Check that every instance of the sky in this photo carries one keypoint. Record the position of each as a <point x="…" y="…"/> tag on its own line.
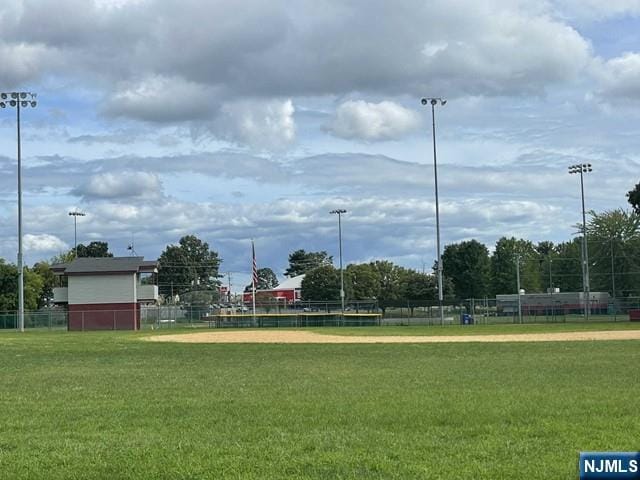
<point x="248" y="120"/>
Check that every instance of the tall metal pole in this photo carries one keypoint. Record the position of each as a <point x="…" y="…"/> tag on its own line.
<point x="553" y="313"/>
<point x="20" y="266"/>
<point x="434" y="102"/>
<point x="613" y="283"/>
<point x="339" y="212"/>
<point x="75" y="214"/>
<point x="587" y="301"/>
<point x="518" y="286"/>
<point x="19" y="99"/>
<point x="583" y="168"/>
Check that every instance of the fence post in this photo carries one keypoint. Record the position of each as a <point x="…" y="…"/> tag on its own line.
<point x="82" y="320"/>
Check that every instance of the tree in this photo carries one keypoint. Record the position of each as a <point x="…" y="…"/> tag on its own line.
<point x="546" y="254"/>
<point x="503" y="266"/>
<point x="190" y="265"/>
<point x="64" y="257"/>
<point x="321" y="284"/>
<point x="301" y="262"/>
<point x="614" y="249"/>
<point x="633" y="196"/>
<point x="266" y="280"/>
<point x="9" y="288"/>
<point x="43" y="269"/>
<point x="94" y="249"/>
<point x="468" y="265"/>
<point x="33" y="284"/>
<point x="566" y="266"/>
<point x="362" y="281"/>
<point x="418" y="288"/>
<point x="390" y="288"/>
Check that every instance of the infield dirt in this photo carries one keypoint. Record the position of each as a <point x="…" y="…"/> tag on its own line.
<point x="299" y="336"/>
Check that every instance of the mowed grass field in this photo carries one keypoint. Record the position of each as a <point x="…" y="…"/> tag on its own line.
<point x="482" y="329"/>
<point x="106" y="405"/>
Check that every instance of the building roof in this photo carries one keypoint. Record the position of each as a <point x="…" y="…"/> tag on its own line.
<point x="105" y="265"/>
<point x="292" y="283"/>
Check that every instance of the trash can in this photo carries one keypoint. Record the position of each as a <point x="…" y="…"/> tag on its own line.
<point x="466" y="319"/>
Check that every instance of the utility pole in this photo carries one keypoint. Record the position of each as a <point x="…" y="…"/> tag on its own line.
<point x="613" y="283"/>
<point x="17" y="100"/>
<point x="583" y="168"/>
<point x="75" y="214"/>
<point x="339" y="212"/>
<point x="518" y="282"/>
<point x="433" y="102"/>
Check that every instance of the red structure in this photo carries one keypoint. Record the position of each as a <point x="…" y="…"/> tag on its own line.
<point x="287" y="292"/>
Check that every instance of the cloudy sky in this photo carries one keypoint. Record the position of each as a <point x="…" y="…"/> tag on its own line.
<point x="231" y="120"/>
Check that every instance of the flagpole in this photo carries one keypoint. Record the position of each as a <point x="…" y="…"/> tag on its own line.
<point x="254" y="273"/>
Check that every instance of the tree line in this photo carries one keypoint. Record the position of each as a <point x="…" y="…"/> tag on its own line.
<point x="471" y="271"/>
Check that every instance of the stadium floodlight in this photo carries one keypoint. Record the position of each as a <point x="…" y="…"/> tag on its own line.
<point x="339" y="212"/>
<point x="583" y="168"/>
<point x="433" y="102"/>
<point x="75" y="214"/>
<point x="14" y="102"/>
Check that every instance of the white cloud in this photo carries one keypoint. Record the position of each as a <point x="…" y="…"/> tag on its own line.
<point x="161" y="99"/>
<point x="279" y="49"/>
<point x="23" y="62"/>
<point x="121" y="185"/>
<point x="373" y="121"/>
<point x="619" y="77"/>
<point x="43" y="243"/>
<point x="257" y="123"/>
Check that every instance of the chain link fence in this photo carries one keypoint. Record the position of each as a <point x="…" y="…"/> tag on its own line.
<point x="545" y="309"/>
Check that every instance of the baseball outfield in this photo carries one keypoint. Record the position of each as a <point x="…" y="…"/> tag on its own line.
<point x="114" y="405"/>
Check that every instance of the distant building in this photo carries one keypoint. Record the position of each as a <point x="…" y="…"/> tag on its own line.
<point x="105" y="293"/>
<point x="287" y="292"/>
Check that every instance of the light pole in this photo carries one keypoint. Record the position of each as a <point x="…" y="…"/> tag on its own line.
<point x="613" y="283"/>
<point x="583" y="168"/>
<point x="339" y="212"/>
<point x="75" y="214"/>
<point x="433" y="102"/>
<point x="19" y="99"/>
<point x="518" y="286"/>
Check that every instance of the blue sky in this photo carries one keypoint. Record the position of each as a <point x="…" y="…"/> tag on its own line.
<point x="234" y="121"/>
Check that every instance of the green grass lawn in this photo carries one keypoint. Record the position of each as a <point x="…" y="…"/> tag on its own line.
<point x="479" y="329"/>
<point x="109" y="406"/>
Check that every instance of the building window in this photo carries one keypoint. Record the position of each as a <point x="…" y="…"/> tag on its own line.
<point x="148" y="278"/>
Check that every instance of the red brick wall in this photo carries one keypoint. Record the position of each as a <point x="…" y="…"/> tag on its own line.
<point x="104" y="316"/>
